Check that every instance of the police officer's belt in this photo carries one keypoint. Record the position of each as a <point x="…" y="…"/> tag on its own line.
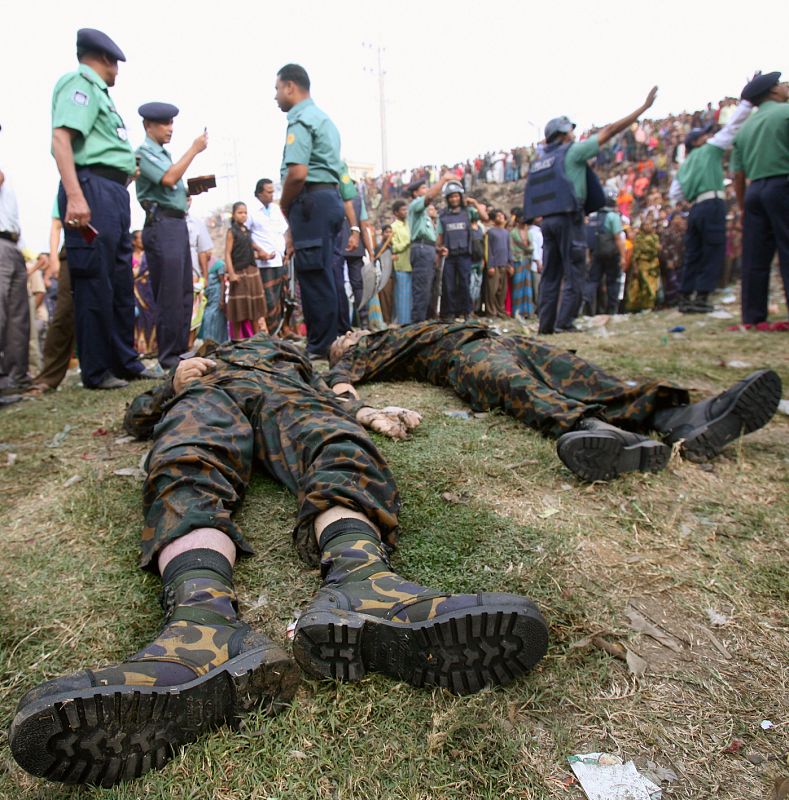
<point x="12" y="237"/>
<point x="155" y="209"/>
<point x="110" y="173"/>
<point x="423" y="241"/>
<point x="713" y="195"/>
<point x="313" y="187"/>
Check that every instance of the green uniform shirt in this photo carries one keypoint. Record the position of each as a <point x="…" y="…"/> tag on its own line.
<point x="154" y="162"/>
<point x="347" y="186"/>
<point x="419" y="222"/>
<point x="761" y="149"/>
<point x="575" y="164"/>
<point x="81" y="102"/>
<point x="613" y="223"/>
<point x="701" y="171"/>
<point x="312" y="139"/>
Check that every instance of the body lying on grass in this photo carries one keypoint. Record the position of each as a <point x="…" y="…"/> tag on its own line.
<point x="598" y="419"/>
<point x="259" y="402"/>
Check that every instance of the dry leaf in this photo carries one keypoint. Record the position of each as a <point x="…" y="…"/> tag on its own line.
<point x="637" y="665"/>
<point x="642" y="625"/>
<point x="716" y="618"/>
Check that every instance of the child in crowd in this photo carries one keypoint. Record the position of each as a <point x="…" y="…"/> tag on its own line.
<point x="214" y="325"/>
<point x="246" y="306"/>
<point x="499" y="266"/>
<point x="644" y="278"/>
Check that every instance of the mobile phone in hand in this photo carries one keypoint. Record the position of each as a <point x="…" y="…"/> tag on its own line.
<point x="89" y="233"/>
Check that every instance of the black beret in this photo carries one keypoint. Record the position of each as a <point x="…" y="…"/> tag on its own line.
<point x="158" y="112"/>
<point x="693" y="136"/>
<point x="759" y="85"/>
<point x="97" y="42"/>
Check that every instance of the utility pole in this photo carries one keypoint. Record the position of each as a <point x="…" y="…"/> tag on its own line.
<point x="381" y="73"/>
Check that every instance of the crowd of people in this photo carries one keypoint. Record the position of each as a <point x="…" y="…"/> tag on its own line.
<point x="259" y="399"/>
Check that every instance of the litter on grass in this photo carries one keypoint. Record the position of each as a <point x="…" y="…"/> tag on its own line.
<point x="604" y="777"/>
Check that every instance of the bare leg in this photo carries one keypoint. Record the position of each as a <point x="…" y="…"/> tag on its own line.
<point x="201" y="538"/>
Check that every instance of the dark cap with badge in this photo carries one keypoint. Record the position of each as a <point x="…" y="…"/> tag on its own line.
<point x="695" y="135"/>
<point x="158" y="112"/>
<point x="759" y="85"/>
<point x="89" y="40"/>
<point x="414" y="185"/>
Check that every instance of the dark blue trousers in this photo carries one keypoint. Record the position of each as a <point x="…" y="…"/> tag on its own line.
<point x="705" y="247"/>
<point x="166" y="242"/>
<point x="606" y="272"/>
<point x="456" y="280"/>
<point x="423" y="267"/>
<point x="102" y="283"/>
<point x="315" y="219"/>
<point x="563" y="271"/>
<point x="765" y="228"/>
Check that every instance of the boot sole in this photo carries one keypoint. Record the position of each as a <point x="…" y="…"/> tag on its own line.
<point x="105" y="735"/>
<point x="753" y="407"/>
<point x="462" y="651"/>
<point x="596" y="456"/>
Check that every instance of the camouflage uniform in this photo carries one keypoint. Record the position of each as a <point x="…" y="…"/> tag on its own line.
<point x="262" y="402"/>
<point x="547" y="388"/>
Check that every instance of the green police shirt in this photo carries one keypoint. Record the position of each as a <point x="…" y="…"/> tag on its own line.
<point x="419" y="222"/>
<point x="575" y="164"/>
<point x="348" y="189"/>
<point x="82" y="103"/>
<point x="761" y="149"/>
<point x="613" y="223"/>
<point x="312" y="139"/>
<point x="701" y="171"/>
<point x="154" y="162"/>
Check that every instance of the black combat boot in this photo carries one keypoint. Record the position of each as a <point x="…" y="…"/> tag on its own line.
<point x="598" y="451"/>
<point x="705" y="428"/>
<point x="366" y="618"/>
<point x="205" y="668"/>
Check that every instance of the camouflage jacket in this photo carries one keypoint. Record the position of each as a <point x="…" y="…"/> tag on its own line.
<point x="420" y="350"/>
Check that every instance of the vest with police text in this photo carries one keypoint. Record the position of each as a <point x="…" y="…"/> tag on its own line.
<point x="457" y="231"/>
<point x="548" y="189"/>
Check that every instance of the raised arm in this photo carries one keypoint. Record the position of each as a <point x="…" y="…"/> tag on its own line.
<point x="611" y="130"/>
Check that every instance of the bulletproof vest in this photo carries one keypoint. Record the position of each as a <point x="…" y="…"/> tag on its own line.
<point x="346" y="231"/>
<point x="457" y="230"/>
<point x="548" y="189"/>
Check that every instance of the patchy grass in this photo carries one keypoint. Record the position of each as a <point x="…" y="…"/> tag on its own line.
<point x="680" y="547"/>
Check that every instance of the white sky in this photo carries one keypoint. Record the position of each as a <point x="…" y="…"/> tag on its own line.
<point x="462" y="77"/>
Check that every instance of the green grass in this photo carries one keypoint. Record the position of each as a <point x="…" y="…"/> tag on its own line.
<point x="675" y="544"/>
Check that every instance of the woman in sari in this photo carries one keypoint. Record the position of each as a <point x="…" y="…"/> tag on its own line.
<point x="144" y="304"/>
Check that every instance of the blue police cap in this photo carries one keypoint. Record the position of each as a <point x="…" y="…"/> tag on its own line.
<point x="759" y="85"/>
<point x="97" y="42"/>
<point x="412" y="187"/>
<point x="158" y="112"/>
<point x="694" y="135"/>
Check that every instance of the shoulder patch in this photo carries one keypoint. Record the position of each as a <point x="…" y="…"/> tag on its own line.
<point x="346" y="178"/>
<point x="291" y="138"/>
<point x="80" y="98"/>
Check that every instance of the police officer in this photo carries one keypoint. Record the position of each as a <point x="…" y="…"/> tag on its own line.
<point x="761" y="154"/>
<point x="161" y="192"/>
<point x="349" y="250"/>
<point x="423" y="244"/>
<point x="700" y="182"/>
<point x="454" y="244"/>
<point x="556" y="189"/>
<point x="96" y="162"/>
<point x="311" y="170"/>
<point x="606" y="239"/>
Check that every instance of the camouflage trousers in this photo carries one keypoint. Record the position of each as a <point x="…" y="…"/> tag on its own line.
<point x="547" y="388"/>
<point x="208" y="441"/>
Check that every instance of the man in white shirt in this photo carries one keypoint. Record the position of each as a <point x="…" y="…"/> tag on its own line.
<point x="14" y="308"/>
<point x="268" y="226"/>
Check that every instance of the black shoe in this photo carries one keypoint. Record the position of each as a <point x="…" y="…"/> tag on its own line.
<point x="600" y="452"/>
<point x="685" y="303"/>
<point x="569" y="329"/>
<point x="79" y="729"/>
<point x="110" y="382"/>
<point x="705" y="428"/>
<point x="9" y="399"/>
